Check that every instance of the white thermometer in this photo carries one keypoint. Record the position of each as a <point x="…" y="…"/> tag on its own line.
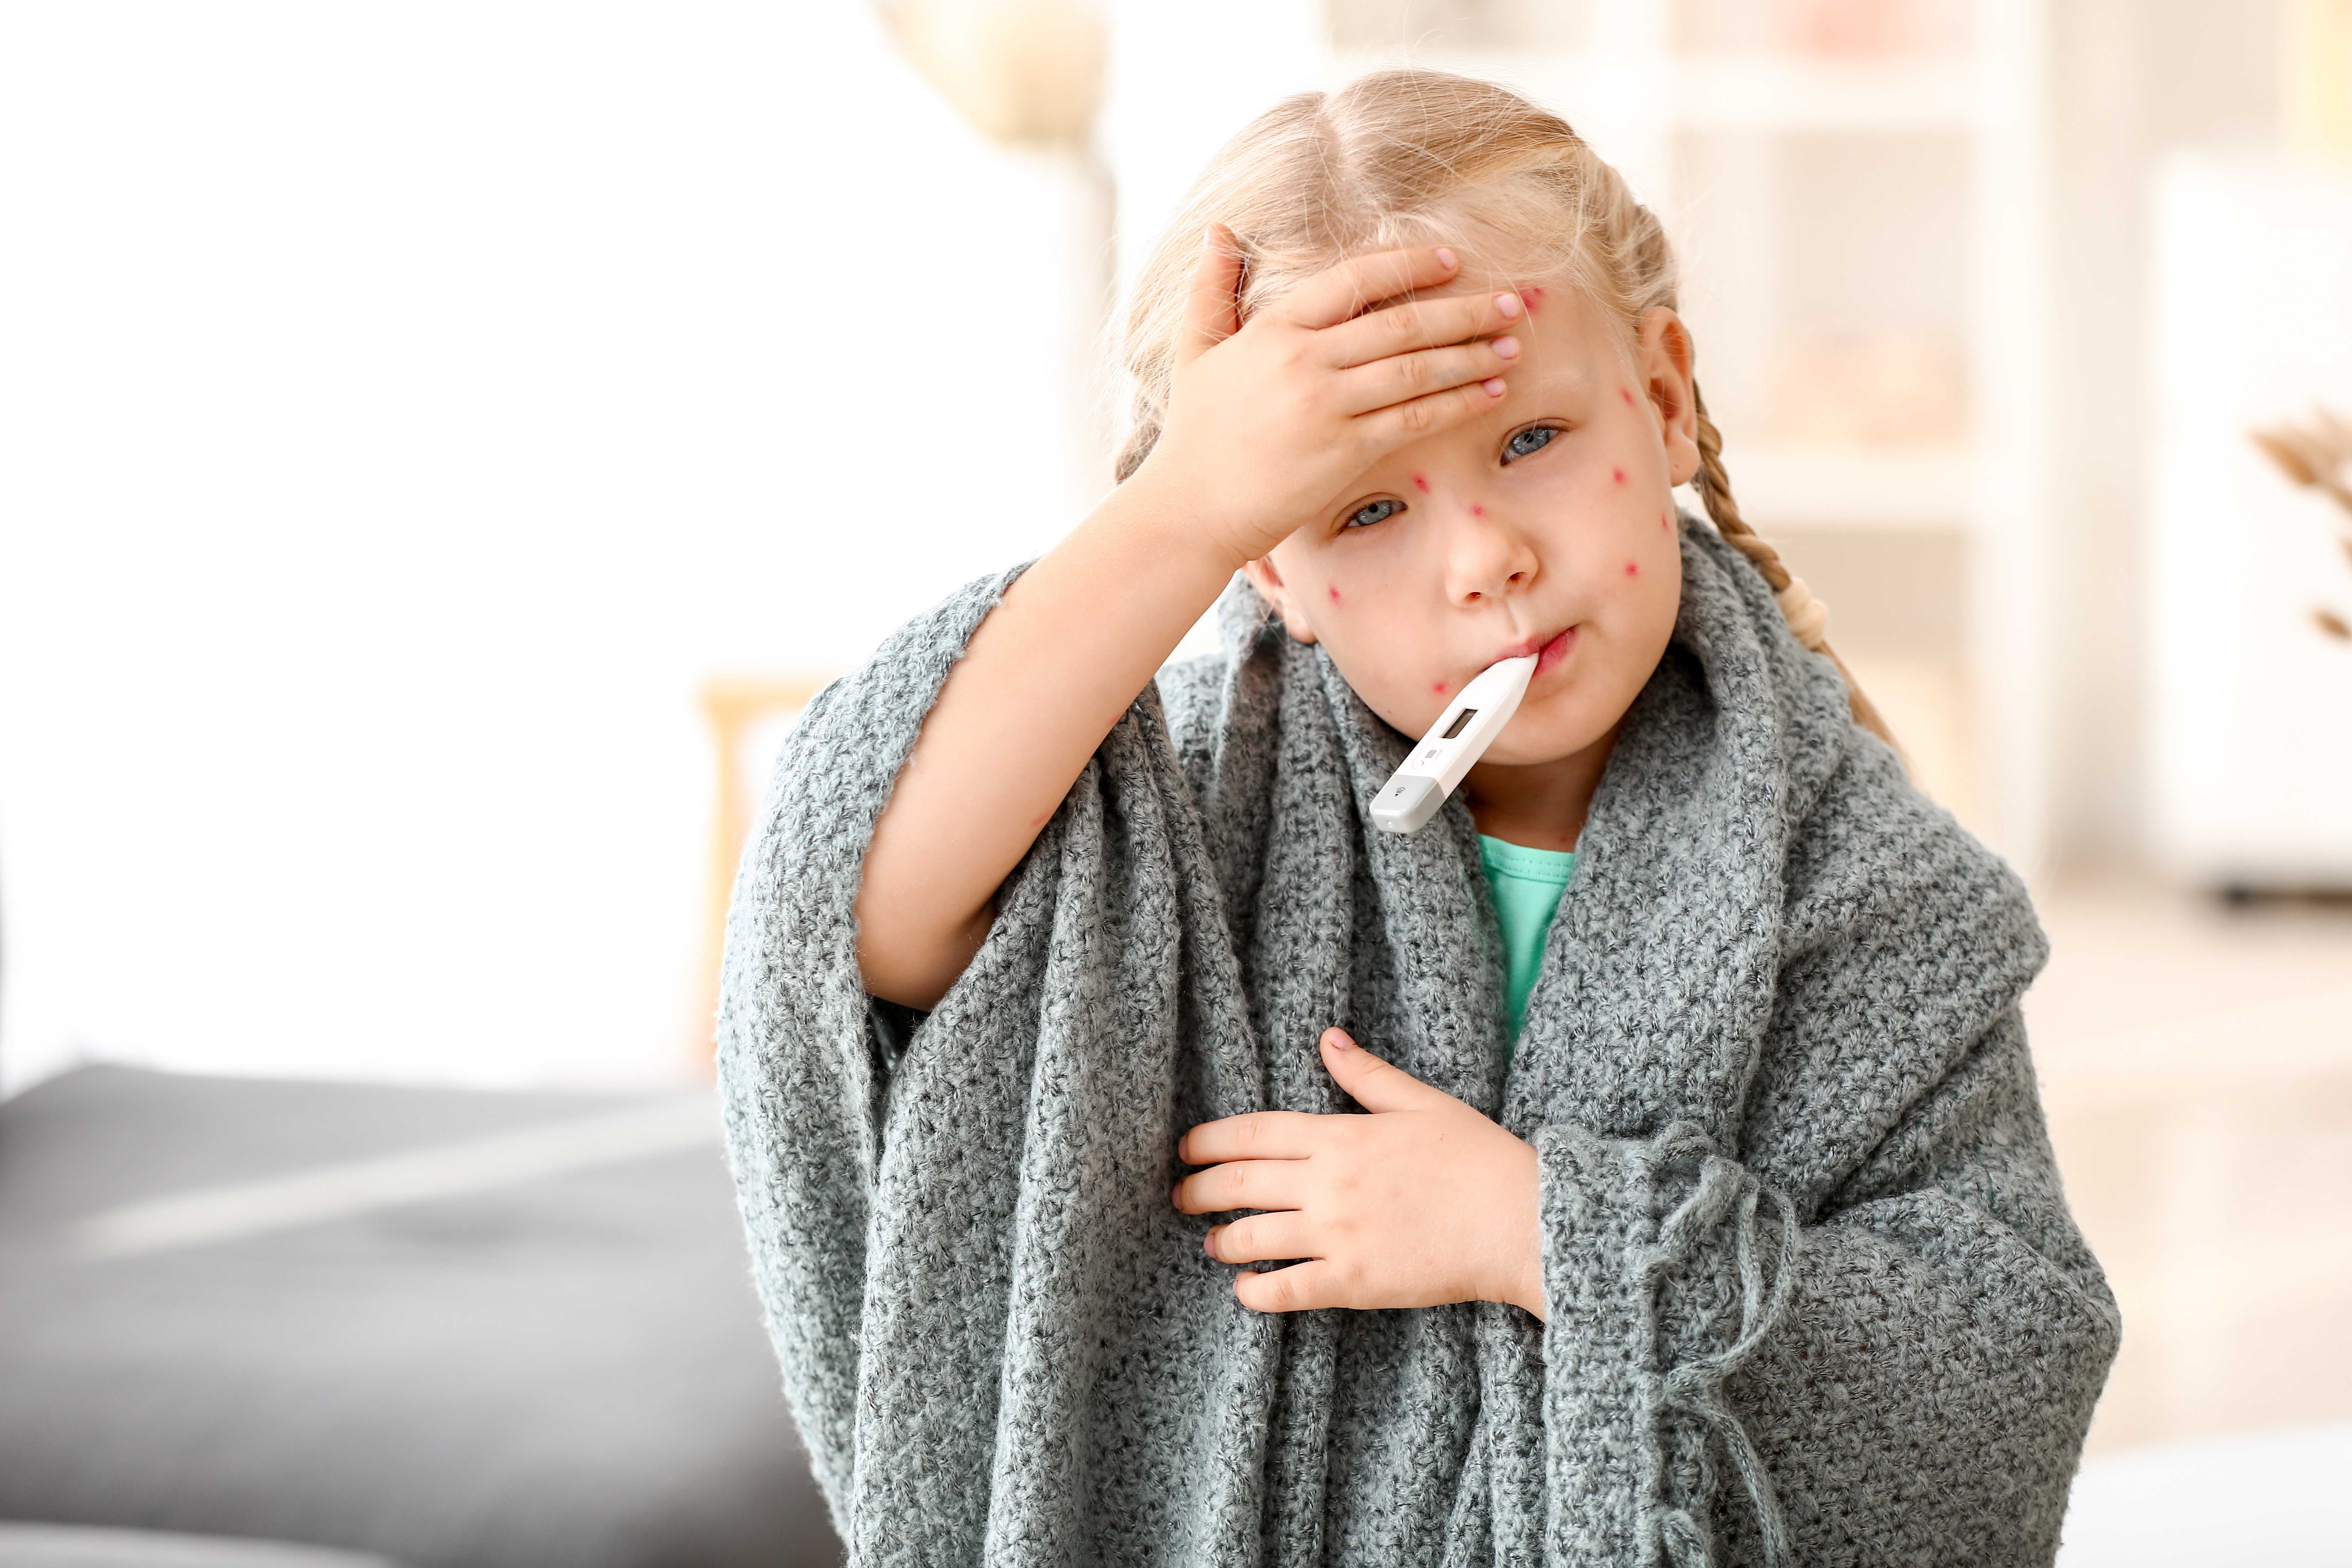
<point x="1459" y="738"/>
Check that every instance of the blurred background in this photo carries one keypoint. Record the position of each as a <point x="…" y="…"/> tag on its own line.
<point x="441" y="444"/>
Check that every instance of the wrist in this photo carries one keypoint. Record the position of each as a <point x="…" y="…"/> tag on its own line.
<point x="1167" y="499"/>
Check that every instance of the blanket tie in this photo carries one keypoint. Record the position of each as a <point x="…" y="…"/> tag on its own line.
<point x="1696" y="1388"/>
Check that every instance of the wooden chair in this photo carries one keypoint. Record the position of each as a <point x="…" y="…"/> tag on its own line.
<point x="736" y="706"/>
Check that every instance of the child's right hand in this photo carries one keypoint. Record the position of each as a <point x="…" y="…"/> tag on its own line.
<point x="1266" y="426"/>
<point x="1266" y="423"/>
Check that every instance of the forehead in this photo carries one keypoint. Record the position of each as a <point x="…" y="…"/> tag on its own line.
<point x="1565" y="331"/>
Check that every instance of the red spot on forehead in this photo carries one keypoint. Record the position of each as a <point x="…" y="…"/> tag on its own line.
<point x="1627" y="393"/>
<point x="1421" y="483"/>
<point x="1335" y="595"/>
<point x="1533" y="297"/>
<point x="1617" y="474"/>
<point x="1631" y="570"/>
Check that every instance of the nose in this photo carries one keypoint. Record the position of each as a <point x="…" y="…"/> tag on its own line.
<point x="1486" y="556"/>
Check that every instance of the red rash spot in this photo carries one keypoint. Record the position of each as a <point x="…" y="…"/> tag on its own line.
<point x="1666" y="522"/>
<point x="1421" y="483"/>
<point x="1335" y="595"/>
<point x="1439" y="689"/>
<point x="1477" y="511"/>
<point x="1631" y="570"/>
<point x="1627" y="393"/>
<point x="1533" y="297"/>
<point x="1617" y="474"/>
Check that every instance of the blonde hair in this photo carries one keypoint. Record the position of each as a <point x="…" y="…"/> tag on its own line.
<point x="1415" y="157"/>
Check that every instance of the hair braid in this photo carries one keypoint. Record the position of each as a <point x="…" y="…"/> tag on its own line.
<point x="1807" y="616"/>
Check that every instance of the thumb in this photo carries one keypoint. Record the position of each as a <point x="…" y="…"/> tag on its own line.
<point x="1212" y="313"/>
<point x="1376" y="1085"/>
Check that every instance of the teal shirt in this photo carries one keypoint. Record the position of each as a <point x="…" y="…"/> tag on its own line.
<point x="1527" y="884"/>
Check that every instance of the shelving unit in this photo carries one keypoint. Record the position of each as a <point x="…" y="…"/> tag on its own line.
<point x="1656" y="110"/>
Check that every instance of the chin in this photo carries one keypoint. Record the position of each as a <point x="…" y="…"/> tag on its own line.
<point x="1533" y="751"/>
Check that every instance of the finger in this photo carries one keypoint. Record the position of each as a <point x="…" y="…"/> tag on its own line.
<point x="1417" y="325"/>
<point x="1385" y="429"/>
<point x="1295" y="1289"/>
<point x="1375" y="1084"/>
<point x="1242" y="1185"/>
<point x="1259" y="1135"/>
<point x="1361" y="282"/>
<point x="1212" y="313"/>
<point x="1404" y="376"/>
<point x="1261" y="1236"/>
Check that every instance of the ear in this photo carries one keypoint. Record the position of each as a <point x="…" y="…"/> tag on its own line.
<point x="1663" y="358"/>
<point x="1267" y="578"/>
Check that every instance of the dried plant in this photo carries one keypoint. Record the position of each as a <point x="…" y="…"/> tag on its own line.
<point x="2316" y="456"/>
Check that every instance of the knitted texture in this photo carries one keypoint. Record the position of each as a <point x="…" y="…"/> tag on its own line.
<point x="1813" y="1293"/>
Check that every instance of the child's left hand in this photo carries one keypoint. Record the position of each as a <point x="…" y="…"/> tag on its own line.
<point x="1422" y="1202"/>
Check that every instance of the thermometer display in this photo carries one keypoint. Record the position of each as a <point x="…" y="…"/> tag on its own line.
<point x="1459" y="738"/>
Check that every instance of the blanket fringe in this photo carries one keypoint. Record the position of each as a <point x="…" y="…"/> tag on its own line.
<point x="1696" y="1388"/>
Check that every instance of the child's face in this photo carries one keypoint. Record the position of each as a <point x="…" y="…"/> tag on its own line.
<point x="1544" y="524"/>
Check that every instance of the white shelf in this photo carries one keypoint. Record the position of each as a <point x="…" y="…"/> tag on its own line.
<point x="1723" y="92"/>
<point x="1839" y="486"/>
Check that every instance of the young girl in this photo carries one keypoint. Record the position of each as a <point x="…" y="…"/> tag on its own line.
<point x="1148" y="1160"/>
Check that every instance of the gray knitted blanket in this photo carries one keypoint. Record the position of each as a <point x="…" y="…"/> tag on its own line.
<point x="1814" y="1295"/>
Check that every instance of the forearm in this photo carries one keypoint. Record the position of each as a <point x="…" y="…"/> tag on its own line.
<point x="1073" y="641"/>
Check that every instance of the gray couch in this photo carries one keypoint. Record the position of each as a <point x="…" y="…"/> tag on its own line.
<point x="449" y="1329"/>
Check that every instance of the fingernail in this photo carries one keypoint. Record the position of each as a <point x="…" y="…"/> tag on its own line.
<point x="1508" y="304"/>
<point x="1494" y="386"/>
<point x="1445" y="259"/>
<point x="1209" y="1241"/>
<point x="1338" y="1040"/>
<point x="1176" y="1195"/>
<point x="1507" y="348"/>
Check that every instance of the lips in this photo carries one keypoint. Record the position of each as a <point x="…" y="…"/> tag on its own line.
<point x="1549" y="651"/>
<point x="1555" y="650"/>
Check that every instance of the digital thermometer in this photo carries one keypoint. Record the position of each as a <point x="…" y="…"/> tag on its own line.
<point x="1459" y="738"/>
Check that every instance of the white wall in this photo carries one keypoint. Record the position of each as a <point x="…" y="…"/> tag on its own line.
<point x="401" y="409"/>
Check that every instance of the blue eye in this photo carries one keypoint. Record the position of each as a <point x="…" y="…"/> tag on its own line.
<point x="1371" y="512"/>
<point x="1533" y="439"/>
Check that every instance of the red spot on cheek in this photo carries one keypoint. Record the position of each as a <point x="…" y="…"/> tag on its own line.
<point x="1335" y="595"/>
<point x="1439" y="687"/>
<point x="1477" y="511"/>
<point x="1617" y="474"/>
<point x="1421" y="483"/>
<point x="1533" y="297"/>
<point x="1665" y="523"/>
<point x="1631" y="570"/>
<point x="1627" y="393"/>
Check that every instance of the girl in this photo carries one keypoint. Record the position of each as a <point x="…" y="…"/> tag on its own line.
<point x="1641" y="1163"/>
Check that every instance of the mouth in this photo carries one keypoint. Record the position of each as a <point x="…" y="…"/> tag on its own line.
<point x="1549" y="652"/>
